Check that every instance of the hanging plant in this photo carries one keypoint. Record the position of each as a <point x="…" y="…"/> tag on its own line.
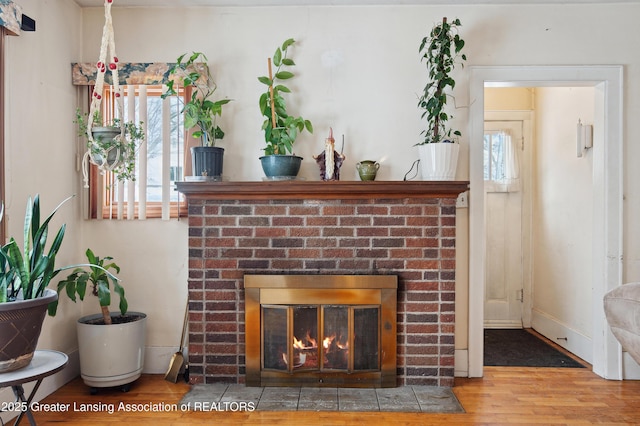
<point x="441" y="50"/>
<point x="112" y="146"/>
<point x="115" y="153"/>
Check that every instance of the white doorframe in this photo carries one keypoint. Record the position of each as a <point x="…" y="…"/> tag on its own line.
<point x="607" y="191"/>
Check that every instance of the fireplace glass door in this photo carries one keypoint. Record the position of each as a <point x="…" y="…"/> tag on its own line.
<point x="321" y="330"/>
<point x="324" y="338"/>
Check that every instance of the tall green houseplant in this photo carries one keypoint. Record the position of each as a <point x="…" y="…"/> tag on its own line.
<point x="280" y="128"/>
<point x="441" y="50"/>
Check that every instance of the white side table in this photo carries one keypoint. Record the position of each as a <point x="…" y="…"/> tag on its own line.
<point x="43" y="364"/>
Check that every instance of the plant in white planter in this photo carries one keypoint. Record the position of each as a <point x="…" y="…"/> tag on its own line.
<point x="111" y="345"/>
<point x="200" y="112"/>
<point x="280" y="128"/>
<point x="441" y="50"/>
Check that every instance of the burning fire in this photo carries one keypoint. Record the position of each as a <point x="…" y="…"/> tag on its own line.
<point x="300" y="344"/>
<point x="326" y="343"/>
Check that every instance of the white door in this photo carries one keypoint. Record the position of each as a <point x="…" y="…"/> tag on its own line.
<point x="503" y="304"/>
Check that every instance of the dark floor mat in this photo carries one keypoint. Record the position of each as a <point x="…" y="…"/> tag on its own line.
<point x="519" y="348"/>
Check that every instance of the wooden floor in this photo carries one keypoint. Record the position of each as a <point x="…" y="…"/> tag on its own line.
<point x="505" y="396"/>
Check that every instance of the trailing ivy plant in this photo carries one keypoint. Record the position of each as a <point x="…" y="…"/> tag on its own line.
<point x="280" y="129"/>
<point x="100" y="147"/>
<point x="441" y="50"/>
<point x="200" y="111"/>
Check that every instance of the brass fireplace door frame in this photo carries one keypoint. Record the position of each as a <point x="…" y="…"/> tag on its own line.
<point x="350" y="290"/>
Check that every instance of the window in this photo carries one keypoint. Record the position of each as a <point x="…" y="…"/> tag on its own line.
<point x="501" y="162"/>
<point x="160" y="159"/>
<point x="494" y="155"/>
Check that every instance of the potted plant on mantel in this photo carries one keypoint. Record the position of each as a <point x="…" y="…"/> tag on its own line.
<point x="201" y="112"/>
<point x="111" y="345"/>
<point x="112" y="146"/>
<point x="441" y="49"/>
<point x="280" y="129"/>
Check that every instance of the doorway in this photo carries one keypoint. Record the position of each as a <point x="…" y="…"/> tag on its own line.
<point x="607" y="196"/>
<point x="538" y="198"/>
<point x="504" y="177"/>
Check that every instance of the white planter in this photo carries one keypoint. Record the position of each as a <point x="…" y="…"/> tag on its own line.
<point x="111" y="355"/>
<point x="438" y="161"/>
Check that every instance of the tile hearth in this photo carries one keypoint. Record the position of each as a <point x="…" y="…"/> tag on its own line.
<point x="420" y="399"/>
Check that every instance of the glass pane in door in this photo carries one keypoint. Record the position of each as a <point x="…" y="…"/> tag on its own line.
<point x="305" y="337"/>
<point x="365" y="339"/>
<point x="335" y="343"/>
<point x="274" y="338"/>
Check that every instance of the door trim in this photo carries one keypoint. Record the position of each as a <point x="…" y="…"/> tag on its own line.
<point x="607" y="185"/>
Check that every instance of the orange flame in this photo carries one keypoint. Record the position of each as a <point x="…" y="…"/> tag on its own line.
<point x="327" y="342"/>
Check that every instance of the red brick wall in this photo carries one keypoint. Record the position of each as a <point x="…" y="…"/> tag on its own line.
<point x="414" y="239"/>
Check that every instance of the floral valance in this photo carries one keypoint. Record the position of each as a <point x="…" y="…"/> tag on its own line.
<point x="84" y="74"/>
<point x="10" y="16"/>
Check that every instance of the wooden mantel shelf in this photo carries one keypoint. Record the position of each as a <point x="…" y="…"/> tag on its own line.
<point x="315" y="190"/>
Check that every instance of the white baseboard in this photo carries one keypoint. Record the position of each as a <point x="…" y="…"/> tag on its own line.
<point x="630" y="368"/>
<point x="157" y="359"/>
<point x="461" y="363"/>
<point x="563" y="335"/>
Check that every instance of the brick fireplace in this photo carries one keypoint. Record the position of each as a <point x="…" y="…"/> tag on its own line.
<point x="298" y="227"/>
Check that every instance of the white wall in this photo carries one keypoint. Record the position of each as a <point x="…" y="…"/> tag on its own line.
<point x="359" y="72"/>
<point x="40" y="138"/>
<point x="39" y="154"/>
<point x="562" y="219"/>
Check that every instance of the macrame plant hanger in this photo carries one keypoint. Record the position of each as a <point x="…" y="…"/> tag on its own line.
<point x="97" y="154"/>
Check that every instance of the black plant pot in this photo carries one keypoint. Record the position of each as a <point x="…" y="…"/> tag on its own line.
<point x="206" y="161"/>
